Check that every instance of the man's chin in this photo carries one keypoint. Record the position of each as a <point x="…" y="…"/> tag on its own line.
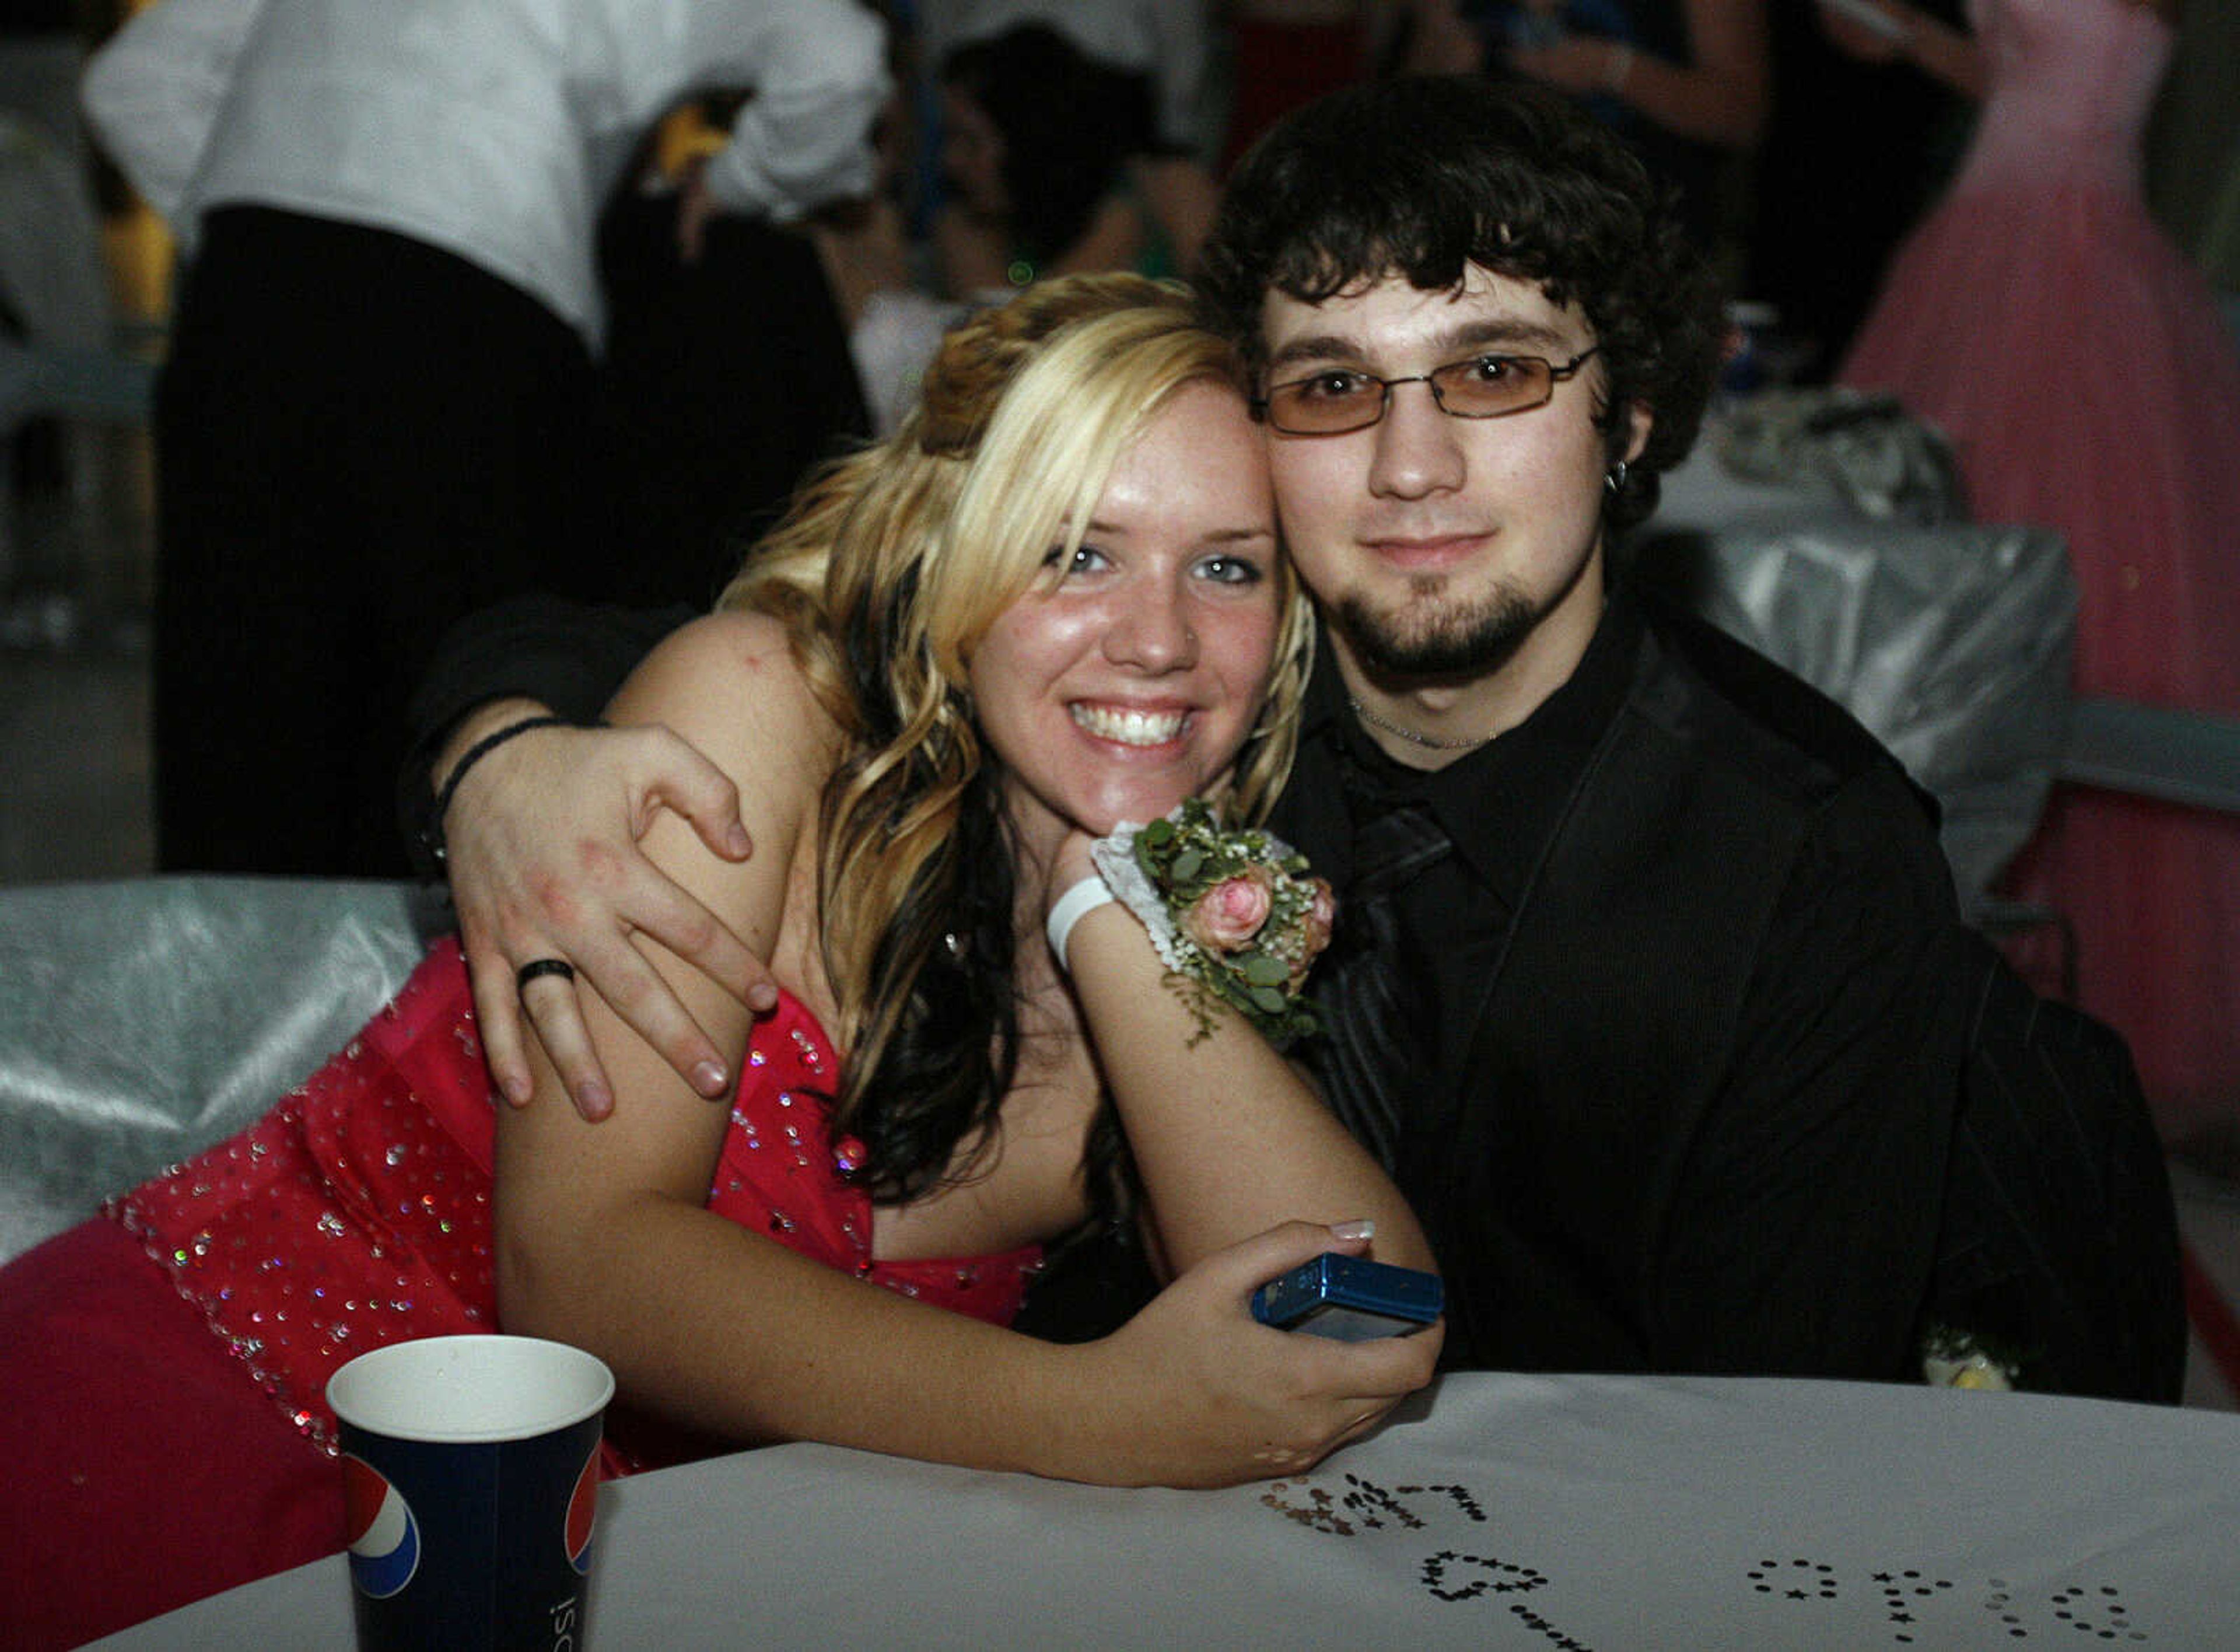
<point x="1437" y="643"/>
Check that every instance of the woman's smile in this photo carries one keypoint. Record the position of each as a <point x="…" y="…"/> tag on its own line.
<point x="1128" y="726"/>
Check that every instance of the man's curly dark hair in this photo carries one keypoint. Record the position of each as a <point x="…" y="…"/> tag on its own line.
<point x="1420" y="176"/>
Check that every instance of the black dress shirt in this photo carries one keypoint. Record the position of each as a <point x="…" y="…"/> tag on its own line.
<point x="1772" y="1208"/>
<point x="1499" y="805"/>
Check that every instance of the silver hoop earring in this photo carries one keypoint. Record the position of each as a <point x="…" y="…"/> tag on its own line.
<point x="1614" y="479"/>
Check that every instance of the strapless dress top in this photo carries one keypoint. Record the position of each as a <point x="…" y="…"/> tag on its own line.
<point x="357" y="1212"/>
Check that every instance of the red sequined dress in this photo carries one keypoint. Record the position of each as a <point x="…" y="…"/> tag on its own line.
<point x="357" y="1212"/>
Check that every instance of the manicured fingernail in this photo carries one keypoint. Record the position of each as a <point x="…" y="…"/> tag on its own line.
<point x="1362" y="1229"/>
<point x="593" y="1101"/>
<point x="708" y="1078"/>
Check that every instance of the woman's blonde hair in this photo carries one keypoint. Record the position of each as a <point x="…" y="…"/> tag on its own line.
<point x="891" y="568"/>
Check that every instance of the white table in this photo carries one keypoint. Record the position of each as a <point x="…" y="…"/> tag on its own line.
<point x="1520" y="1512"/>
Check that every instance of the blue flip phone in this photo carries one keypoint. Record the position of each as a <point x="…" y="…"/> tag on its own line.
<point x="1349" y="1299"/>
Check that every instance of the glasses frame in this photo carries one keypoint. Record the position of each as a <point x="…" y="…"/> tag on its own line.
<point x="1264" y="410"/>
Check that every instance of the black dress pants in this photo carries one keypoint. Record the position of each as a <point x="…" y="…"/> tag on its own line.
<point x="360" y="439"/>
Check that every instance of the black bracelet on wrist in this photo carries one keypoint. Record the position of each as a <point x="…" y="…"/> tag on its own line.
<point x="431" y="833"/>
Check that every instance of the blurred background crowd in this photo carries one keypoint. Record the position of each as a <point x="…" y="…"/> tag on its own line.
<point x="1020" y="136"/>
<point x="322" y="325"/>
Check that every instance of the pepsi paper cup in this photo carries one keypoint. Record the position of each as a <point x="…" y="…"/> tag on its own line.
<point x="471" y="1473"/>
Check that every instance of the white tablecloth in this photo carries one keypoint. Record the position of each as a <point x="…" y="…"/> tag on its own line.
<point x="1522" y="1512"/>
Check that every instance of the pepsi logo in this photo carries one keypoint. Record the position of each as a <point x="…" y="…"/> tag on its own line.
<point x="383" y="1537"/>
<point x="582" y="1510"/>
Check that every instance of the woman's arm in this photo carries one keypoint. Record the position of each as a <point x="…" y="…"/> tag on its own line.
<point x="604" y="1241"/>
<point x="1229" y="1138"/>
<point x="1930" y="43"/>
<point x="1112" y="239"/>
<point x="969" y="260"/>
<point x="1720" y="98"/>
<point x="1182" y="197"/>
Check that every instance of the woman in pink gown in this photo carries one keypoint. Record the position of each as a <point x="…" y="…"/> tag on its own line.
<point x="2081" y="368"/>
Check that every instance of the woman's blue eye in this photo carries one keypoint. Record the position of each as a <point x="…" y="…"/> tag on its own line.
<point x="1231" y="570"/>
<point x="1081" y="559"/>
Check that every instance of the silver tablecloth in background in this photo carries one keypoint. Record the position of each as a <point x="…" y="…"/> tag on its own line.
<point x="1952" y="642"/>
<point x="1522" y="1512"/>
<point x="142" y="1020"/>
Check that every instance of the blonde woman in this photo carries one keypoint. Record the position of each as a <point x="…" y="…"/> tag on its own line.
<point x="1053" y="602"/>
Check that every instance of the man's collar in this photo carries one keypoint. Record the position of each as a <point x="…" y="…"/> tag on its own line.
<point x="1498" y="802"/>
<point x="1586" y="698"/>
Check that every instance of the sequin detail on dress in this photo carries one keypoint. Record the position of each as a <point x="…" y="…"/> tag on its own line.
<point x="357" y="1212"/>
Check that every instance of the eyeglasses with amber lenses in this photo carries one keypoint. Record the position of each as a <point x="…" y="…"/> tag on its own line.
<point x="1337" y="400"/>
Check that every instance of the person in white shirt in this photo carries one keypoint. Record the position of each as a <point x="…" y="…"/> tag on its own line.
<point x="377" y="413"/>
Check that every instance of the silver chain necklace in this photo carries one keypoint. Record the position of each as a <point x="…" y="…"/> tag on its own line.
<point x="1410" y="735"/>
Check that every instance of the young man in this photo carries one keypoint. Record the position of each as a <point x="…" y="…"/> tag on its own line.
<point x="1672" y="1092"/>
<point x="1646" y="985"/>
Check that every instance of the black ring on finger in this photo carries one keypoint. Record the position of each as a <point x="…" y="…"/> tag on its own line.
<point x="537" y="968"/>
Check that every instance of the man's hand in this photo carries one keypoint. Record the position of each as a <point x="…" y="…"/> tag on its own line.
<point x="542" y="845"/>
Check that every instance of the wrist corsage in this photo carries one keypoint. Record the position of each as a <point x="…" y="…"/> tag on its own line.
<point x="1235" y="915"/>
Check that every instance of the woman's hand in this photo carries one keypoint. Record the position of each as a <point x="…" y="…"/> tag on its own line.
<point x="1193" y="1391"/>
<point x="543" y="847"/>
<point x="1887" y="31"/>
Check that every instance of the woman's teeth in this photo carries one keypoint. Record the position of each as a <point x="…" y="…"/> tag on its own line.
<point x="1128" y="727"/>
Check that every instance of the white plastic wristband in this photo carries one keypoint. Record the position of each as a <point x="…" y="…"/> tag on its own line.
<point x="1075" y="905"/>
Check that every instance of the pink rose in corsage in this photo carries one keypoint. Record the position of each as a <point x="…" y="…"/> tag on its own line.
<point x="1228" y="916"/>
<point x="1233" y="912"/>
